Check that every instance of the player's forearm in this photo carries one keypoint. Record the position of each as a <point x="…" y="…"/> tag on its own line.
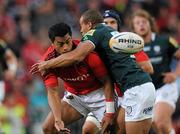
<point x="146" y="66"/>
<point x="109" y="95"/>
<point x="66" y="59"/>
<point x="177" y="71"/>
<point x="55" y="104"/>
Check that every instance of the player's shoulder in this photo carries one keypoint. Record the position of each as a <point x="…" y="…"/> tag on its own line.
<point x="76" y="42"/>
<point x="3" y="44"/>
<point x="92" y="58"/>
<point x="49" y="54"/>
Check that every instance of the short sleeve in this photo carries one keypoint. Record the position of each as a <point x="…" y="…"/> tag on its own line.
<point x="141" y="56"/>
<point x="90" y="36"/>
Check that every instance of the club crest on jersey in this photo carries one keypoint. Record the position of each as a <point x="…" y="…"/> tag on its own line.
<point x="157" y="49"/>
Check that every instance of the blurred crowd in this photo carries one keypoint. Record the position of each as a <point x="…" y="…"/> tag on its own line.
<point x="24" y="25"/>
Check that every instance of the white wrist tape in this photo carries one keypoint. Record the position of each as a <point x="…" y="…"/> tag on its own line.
<point x="12" y="67"/>
<point x="110" y="107"/>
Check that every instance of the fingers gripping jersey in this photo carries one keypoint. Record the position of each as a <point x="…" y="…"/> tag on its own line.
<point x="80" y="78"/>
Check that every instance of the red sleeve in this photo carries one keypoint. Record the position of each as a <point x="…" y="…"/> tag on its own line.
<point x="50" y="80"/>
<point x="141" y="56"/>
<point x="96" y="64"/>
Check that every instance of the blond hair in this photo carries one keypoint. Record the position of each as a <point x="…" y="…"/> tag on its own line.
<point x="146" y="15"/>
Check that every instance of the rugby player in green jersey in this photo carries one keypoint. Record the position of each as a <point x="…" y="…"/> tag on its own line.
<point x="160" y="49"/>
<point x="112" y="19"/>
<point x="139" y="92"/>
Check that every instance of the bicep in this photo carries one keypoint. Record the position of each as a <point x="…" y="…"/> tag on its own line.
<point x="83" y="49"/>
<point x="146" y="66"/>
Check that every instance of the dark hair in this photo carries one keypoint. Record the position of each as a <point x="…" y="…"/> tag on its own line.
<point x="92" y="16"/>
<point x="113" y="14"/>
<point x="146" y="15"/>
<point x="59" y="29"/>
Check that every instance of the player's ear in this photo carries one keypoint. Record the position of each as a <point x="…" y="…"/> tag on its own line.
<point x="90" y="25"/>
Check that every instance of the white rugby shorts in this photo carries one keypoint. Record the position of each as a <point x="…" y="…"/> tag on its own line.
<point x="138" y="102"/>
<point x="92" y="102"/>
<point x="168" y="93"/>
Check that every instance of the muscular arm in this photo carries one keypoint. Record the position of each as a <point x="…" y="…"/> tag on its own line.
<point x="146" y="66"/>
<point x="69" y="58"/>
<point x="108" y="88"/>
<point x="172" y="76"/>
<point x="54" y="102"/>
<point x="143" y="61"/>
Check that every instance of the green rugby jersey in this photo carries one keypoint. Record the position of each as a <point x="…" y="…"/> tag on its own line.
<point x="160" y="51"/>
<point x="122" y="68"/>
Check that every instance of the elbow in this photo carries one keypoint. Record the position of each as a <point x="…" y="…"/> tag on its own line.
<point x="149" y="70"/>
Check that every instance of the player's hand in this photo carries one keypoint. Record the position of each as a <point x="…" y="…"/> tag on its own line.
<point x="107" y="122"/>
<point x="169" y="77"/>
<point x="59" y="125"/>
<point x="39" y="67"/>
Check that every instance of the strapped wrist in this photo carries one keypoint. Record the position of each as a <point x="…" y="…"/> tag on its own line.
<point x="110" y="109"/>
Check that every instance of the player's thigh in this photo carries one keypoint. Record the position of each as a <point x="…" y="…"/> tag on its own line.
<point x="89" y="128"/>
<point x="160" y="115"/>
<point x="120" y="121"/>
<point x="138" y="127"/>
<point x="68" y="113"/>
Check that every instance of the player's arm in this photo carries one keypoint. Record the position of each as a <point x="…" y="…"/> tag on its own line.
<point x="177" y="55"/>
<point x="77" y="55"/>
<point x="143" y="61"/>
<point x="99" y="70"/>
<point x="54" y="102"/>
<point x="11" y="62"/>
<point x="173" y="48"/>
<point x="51" y="83"/>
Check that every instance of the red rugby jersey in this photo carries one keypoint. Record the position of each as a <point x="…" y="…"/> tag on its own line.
<point x="80" y="78"/>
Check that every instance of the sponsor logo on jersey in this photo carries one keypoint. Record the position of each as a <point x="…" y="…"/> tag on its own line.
<point x="114" y="33"/>
<point x="78" y="78"/>
<point x="157" y="49"/>
<point x="128" y="110"/>
<point x="148" y="110"/>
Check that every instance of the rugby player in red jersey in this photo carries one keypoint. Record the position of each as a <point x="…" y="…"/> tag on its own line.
<point x="87" y="83"/>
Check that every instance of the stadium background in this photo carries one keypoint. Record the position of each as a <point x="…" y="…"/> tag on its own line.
<point x="24" y="25"/>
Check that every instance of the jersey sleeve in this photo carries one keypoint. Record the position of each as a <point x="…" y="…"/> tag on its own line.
<point x="141" y="56"/>
<point x="90" y="36"/>
<point x="173" y="45"/>
<point x="50" y="80"/>
<point x="95" y="63"/>
<point x="3" y="47"/>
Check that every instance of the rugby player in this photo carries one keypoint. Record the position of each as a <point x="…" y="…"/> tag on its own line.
<point x="87" y="83"/>
<point x="160" y="49"/>
<point x="139" y="91"/>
